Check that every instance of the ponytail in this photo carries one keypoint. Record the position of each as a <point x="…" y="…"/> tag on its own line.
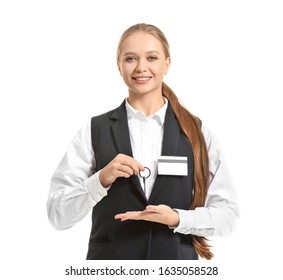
<point x="191" y="127"/>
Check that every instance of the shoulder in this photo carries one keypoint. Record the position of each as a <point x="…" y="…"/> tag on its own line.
<point x="215" y="152"/>
<point x="207" y="134"/>
<point x="210" y="138"/>
<point x="102" y="117"/>
<point x="110" y="115"/>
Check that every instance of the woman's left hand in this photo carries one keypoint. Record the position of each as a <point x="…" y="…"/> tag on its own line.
<point x="162" y="214"/>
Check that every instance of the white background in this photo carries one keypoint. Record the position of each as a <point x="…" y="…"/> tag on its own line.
<point x="58" y="68"/>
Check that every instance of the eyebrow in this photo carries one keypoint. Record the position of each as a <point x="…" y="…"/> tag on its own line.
<point x="149" y="52"/>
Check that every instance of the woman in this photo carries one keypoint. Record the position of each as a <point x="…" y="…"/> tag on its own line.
<point x="113" y="166"/>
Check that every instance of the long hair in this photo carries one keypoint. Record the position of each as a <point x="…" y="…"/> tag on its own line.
<point x="190" y="126"/>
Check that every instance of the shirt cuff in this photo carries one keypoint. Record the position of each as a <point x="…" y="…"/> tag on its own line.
<point x="94" y="187"/>
<point x="195" y="222"/>
<point x="186" y="222"/>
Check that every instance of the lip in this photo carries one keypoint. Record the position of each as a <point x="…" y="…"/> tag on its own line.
<point x="142" y="79"/>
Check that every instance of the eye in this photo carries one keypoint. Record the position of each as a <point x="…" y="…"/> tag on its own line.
<point x="152" y="58"/>
<point x="130" y="59"/>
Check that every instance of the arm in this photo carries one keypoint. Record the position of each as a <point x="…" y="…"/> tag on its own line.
<point x="74" y="189"/>
<point x="220" y="214"/>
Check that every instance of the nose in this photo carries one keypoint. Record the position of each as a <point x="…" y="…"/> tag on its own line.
<point x="141" y="66"/>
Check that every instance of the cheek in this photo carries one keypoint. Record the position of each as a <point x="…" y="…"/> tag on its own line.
<point x="127" y="70"/>
<point x="159" y="70"/>
<point x="126" y="74"/>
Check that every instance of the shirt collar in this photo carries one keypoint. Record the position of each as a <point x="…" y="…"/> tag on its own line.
<point x="159" y="115"/>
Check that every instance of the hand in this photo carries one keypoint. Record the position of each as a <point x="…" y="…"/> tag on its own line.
<point x="162" y="214"/>
<point x="121" y="166"/>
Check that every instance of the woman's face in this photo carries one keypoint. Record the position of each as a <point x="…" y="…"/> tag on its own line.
<point x="142" y="63"/>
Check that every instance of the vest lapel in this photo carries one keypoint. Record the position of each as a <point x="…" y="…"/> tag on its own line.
<point x="120" y="131"/>
<point x="169" y="147"/>
<point x="121" y="137"/>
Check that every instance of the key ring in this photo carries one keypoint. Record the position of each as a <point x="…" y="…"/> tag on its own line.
<point x="145" y="177"/>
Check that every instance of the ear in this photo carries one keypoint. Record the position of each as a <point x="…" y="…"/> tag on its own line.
<point x="167" y="64"/>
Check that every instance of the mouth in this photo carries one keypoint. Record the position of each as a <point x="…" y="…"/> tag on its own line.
<point x="142" y="78"/>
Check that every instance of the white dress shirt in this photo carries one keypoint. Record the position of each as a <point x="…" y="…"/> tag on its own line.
<point x="76" y="189"/>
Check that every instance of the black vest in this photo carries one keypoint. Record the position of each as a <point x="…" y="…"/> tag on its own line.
<point x="113" y="239"/>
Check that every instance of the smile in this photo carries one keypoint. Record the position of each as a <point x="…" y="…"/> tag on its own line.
<point x="142" y="78"/>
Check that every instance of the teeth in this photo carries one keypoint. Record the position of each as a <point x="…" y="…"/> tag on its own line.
<point x="142" y="79"/>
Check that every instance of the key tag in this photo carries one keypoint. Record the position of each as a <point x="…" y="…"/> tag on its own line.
<point x="144" y="175"/>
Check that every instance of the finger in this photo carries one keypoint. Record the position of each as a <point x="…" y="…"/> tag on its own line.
<point x="140" y="215"/>
<point x="131" y="162"/>
<point x="121" y="168"/>
<point x="139" y="166"/>
<point x="120" y="216"/>
<point x="122" y="174"/>
<point x="154" y="208"/>
<point x="132" y="215"/>
<point x="135" y="166"/>
<point x="123" y="217"/>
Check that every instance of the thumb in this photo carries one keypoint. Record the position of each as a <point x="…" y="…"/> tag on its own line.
<point x="152" y="208"/>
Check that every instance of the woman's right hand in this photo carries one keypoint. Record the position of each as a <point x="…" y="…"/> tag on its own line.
<point x="121" y="166"/>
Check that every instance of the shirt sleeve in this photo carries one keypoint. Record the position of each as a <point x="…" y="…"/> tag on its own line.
<point x="220" y="214"/>
<point x="75" y="187"/>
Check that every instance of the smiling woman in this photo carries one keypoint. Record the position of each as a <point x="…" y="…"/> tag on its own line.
<point x="176" y="211"/>
<point x="143" y="64"/>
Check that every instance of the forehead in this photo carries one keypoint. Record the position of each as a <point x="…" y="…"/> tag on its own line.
<point x="141" y="42"/>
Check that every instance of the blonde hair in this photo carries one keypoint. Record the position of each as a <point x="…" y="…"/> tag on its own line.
<point x="191" y="127"/>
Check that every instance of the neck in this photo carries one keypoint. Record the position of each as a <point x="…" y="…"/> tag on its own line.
<point x="146" y="103"/>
